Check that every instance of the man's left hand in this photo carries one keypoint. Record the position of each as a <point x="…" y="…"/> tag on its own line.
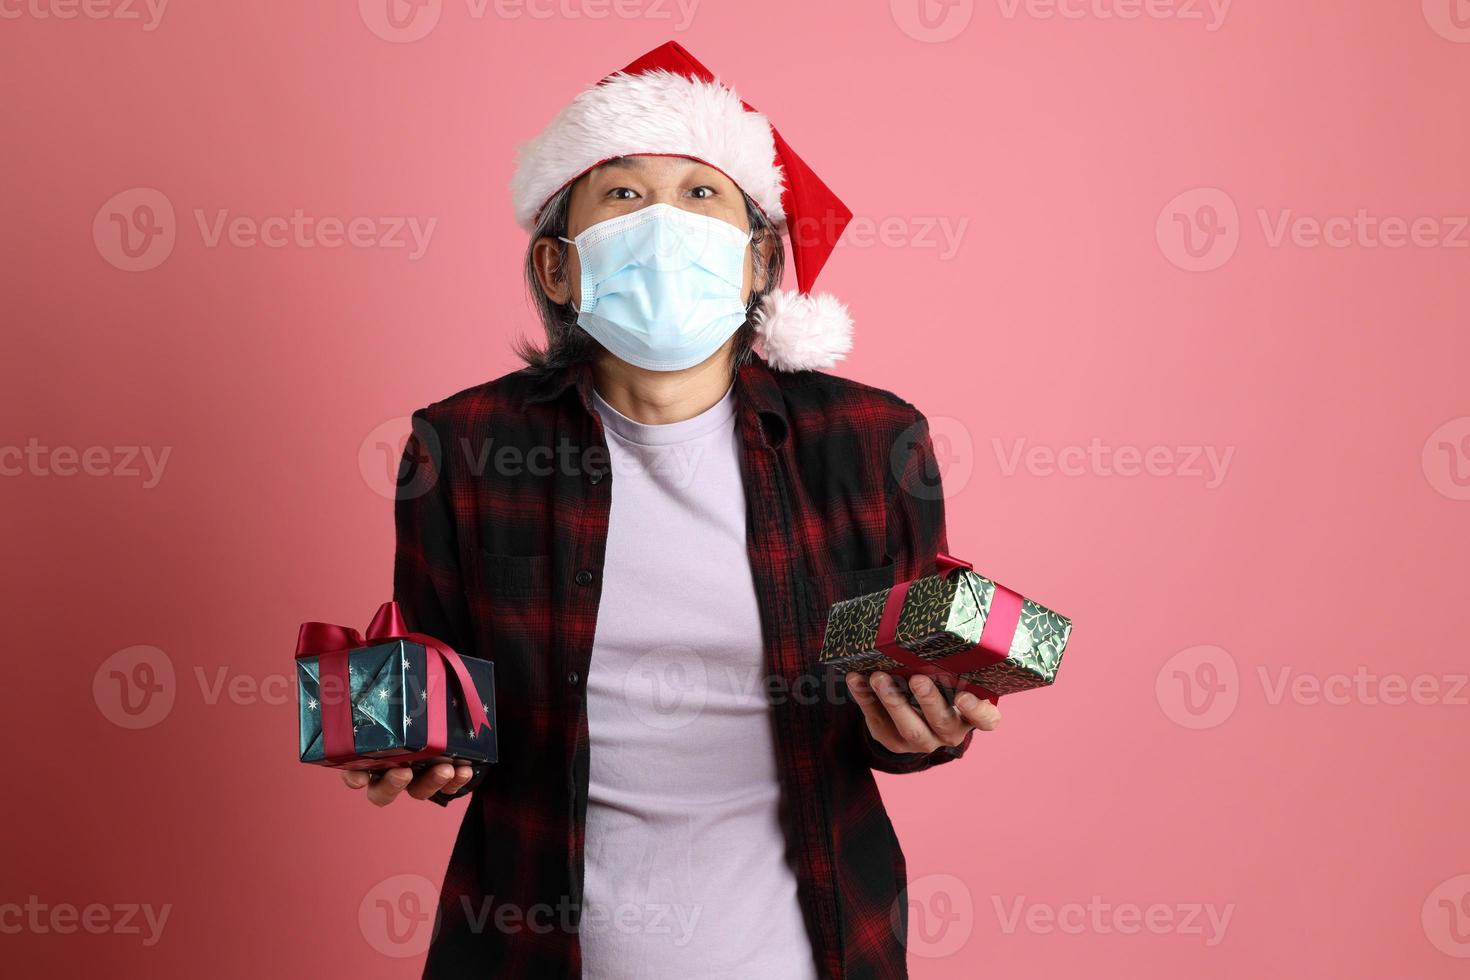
<point x="897" y="727"/>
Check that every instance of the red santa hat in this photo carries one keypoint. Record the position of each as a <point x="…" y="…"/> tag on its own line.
<point x="668" y="103"/>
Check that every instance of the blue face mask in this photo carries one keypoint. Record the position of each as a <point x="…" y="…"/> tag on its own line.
<point x="661" y="286"/>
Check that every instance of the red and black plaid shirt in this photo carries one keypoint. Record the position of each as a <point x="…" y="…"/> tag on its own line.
<point x="502" y="530"/>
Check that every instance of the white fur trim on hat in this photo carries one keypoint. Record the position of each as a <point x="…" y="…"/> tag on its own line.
<point x="803" y="333"/>
<point x="656" y="112"/>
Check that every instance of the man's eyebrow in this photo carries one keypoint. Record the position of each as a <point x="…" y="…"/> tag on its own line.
<point x="620" y="163"/>
<point x="636" y="162"/>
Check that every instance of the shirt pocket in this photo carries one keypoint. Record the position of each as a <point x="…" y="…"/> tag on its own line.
<point x="516" y="614"/>
<point x="515" y="575"/>
<point x="821" y="591"/>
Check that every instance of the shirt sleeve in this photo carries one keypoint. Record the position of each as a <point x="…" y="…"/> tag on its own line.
<point x="427" y="583"/>
<point x="915" y="535"/>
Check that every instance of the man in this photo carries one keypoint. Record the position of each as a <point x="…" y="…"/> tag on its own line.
<point x="644" y="530"/>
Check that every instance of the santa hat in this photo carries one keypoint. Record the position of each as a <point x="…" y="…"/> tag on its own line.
<point x="668" y="103"/>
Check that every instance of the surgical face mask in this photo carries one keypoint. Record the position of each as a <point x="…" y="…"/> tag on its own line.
<point x="661" y="286"/>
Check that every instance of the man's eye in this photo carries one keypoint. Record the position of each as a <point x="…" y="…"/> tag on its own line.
<point x="622" y="193"/>
<point x="703" y="192"/>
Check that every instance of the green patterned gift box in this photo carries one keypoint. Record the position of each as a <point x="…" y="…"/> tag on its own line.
<point x="956" y="623"/>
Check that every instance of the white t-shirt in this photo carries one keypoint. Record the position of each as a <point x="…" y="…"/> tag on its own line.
<point x="686" y="872"/>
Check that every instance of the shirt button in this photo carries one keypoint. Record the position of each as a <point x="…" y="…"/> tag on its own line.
<point x="573" y="677"/>
<point x="594" y="477"/>
<point x="584" y="577"/>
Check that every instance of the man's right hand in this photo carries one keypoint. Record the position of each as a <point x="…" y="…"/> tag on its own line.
<point x="391" y="783"/>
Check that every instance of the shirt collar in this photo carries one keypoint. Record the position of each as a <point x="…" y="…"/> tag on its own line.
<point x="553" y="384"/>
<point x="755" y="384"/>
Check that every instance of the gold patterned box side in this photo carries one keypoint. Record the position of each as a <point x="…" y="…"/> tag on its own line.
<point x="943" y="616"/>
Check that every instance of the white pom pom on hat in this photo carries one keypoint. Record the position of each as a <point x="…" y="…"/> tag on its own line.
<point x="668" y="103"/>
<point x="803" y="332"/>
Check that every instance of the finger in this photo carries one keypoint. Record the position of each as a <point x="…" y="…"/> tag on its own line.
<point x="462" y="775"/>
<point x="356" y="778"/>
<point x="385" y="789"/>
<point x="876" y="716"/>
<point x="430" y="781"/>
<point x="910" y="725"/>
<point x="946" y="723"/>
<point x="977" y="712"/>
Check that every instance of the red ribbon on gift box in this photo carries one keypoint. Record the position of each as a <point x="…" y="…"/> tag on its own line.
<point x="995" y="636"/>
<point x="331" y="644"/>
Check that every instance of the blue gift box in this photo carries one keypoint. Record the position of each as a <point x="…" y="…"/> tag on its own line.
<point x="391" y="707"/>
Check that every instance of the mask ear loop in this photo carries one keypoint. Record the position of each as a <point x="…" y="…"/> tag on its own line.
<point x="757" y="235"/>
<point x="561" y="273"/>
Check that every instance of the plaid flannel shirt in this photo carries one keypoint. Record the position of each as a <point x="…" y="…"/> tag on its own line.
<point x="502" y="521"/>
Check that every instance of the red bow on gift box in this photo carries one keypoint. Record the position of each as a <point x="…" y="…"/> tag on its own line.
<point x="995" y="636"/>
<point x="331" y="644"/>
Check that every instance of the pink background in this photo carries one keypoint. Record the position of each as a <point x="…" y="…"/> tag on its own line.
<point x="1167" y="768"/>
